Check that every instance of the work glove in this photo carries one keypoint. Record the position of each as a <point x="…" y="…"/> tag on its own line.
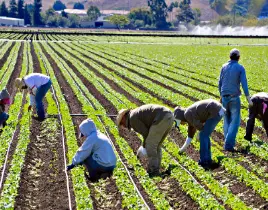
<point x="29" y="108"/>
<point x="186" y="144"/>
<point x="70" y="167"/>
<point x="250" y="103"/>
<point x="141" y="153"/>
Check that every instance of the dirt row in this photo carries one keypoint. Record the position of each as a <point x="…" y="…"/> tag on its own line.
<point x="43" y="182"/>
<point x="194" y="155"/>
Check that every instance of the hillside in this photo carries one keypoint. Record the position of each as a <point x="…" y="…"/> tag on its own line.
<point x="207" y="13"/>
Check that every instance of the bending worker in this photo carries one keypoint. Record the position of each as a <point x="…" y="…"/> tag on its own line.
<point x="37" y="85"/>
<point x="232" y="74"/>
<point x="96" y="152"/>
<point x="203" y="116"/>
<point x="153" y="122"/>
<point x="258" y="110"/>
<point x="4" y="100"/>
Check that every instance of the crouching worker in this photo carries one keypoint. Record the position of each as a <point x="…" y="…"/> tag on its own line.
<point x="258" y="110"/>
<point x="37" y="85"/>
<point x="4" y="100"/>
<point x="153" y="122"/>
<point x="96" y="152"/>
<point x="203" y="116"/>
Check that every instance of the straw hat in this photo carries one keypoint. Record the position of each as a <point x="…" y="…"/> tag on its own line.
<point x="120" y="116"/>
<point x="19" y="83"/>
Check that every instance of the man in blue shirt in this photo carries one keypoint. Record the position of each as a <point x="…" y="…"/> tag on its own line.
<point x="232" y="74"/>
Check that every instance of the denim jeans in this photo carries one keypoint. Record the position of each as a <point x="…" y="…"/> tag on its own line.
<point x="204" y="136"/>
<point x="231" y="120"/>
<point x="40" y="94"/>
<point x="95" y="169"/>
<point x="3" y="117"/>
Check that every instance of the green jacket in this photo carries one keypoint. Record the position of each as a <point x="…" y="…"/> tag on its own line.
<point x="143" y="117"/>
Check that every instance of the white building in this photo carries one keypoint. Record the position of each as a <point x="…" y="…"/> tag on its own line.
<point x="7" y="21"/>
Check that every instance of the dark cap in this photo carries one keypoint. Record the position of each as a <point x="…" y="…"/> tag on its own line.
<point x="179" y="113"/>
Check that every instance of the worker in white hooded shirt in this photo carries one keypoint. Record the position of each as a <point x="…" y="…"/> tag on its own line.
<point x="96" y="152"/>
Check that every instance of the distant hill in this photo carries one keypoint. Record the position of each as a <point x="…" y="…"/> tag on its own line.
<point x="207" y="12"/>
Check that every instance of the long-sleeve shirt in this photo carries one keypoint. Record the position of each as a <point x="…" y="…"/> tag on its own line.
<point x="199" y="112"/>
<point x="232" y="74"/>
<point x="143" y="117"/>
<point x="258" y="110"/>
<point x="96" y="145"/>
<point x="33" y="82"/>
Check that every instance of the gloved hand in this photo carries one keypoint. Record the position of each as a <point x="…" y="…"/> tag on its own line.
<point x="186" y="144"/>
<point x="250" y="103"/>
<point x="70" y="167"/>
<point x="29" y="108"/>
<point x="141" y="153"/>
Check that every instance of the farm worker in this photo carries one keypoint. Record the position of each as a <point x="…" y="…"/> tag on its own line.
<point x="37" y="85"/>
<point x="4" y="100"/>
<point x="96" y="152"/>
<point x="258" y="110"/>
<point x="153" y="122"/>
<point x="203" y="116"/>
<point x="232" y="74"/>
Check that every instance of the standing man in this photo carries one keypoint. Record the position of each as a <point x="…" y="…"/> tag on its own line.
<point x="96" y="152"/>
<point x="203" y="116"/>
<point x="4" y="100"/>
<point x="232" y="74"/>
<point x="258" y="110"/>
<point x="37" y="85"/>
<point x="153" y="122"/>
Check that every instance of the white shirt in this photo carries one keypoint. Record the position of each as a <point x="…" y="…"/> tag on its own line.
<point x="34" y="81"/>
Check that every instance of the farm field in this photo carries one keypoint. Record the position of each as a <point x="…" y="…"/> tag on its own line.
<point x="101" y="75"/>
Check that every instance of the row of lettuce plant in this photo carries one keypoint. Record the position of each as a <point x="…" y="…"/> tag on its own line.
<point x="89" y="75"/>
<point x="9" y="190"/>
<point x="244" y="175"/>
<point x="129" y="195"/>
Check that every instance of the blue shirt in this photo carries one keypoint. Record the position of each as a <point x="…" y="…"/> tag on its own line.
<point x="232" y="74"/>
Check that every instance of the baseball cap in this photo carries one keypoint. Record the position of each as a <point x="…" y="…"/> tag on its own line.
<point x="235" y="52"/>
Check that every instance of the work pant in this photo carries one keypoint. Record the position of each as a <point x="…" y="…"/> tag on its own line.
<point x="3" y="118"/>
<point x="97" y="171"/>
<point x="154" y="140"/>
<point x="231" y="120"/>
<point x="40" y="94"/>
<point x="204" y="137"/>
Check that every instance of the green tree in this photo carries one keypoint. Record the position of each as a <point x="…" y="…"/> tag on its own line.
<point x="159" y="10"/>
<point x="93" y="13"/>
<point x="27" y="15"/>
<point x="74" y="21"/>
<point x="37" y="20"/>
<point x="197" y="15"/>
<point x="139" y="17"/>
<point x="21" y="9"/>
<point x="3" y="9"/>
<point x="78" y="5"/>
<point x="63" y="21"/>
<point x="58" y="6"/>
<point x="119" y="20"/>
<point x="50" y="12"/>
<point x="186" y="13"/>
<point x="13" y="9"/>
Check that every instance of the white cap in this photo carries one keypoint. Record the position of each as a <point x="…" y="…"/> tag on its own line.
<point x="235" y="52"/>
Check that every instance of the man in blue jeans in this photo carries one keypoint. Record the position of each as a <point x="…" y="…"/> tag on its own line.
<point x="232" y="74"/>
<point x="96" y="152"/>
<point x="37" y="85"/>
<point x="203" y="116"/>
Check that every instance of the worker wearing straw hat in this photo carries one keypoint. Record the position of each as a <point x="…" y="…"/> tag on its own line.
<point x="37" y="85"/>
<point x="153" y="122"/>
<point x="96" y="152"/>
<point x="4" y="100"/>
